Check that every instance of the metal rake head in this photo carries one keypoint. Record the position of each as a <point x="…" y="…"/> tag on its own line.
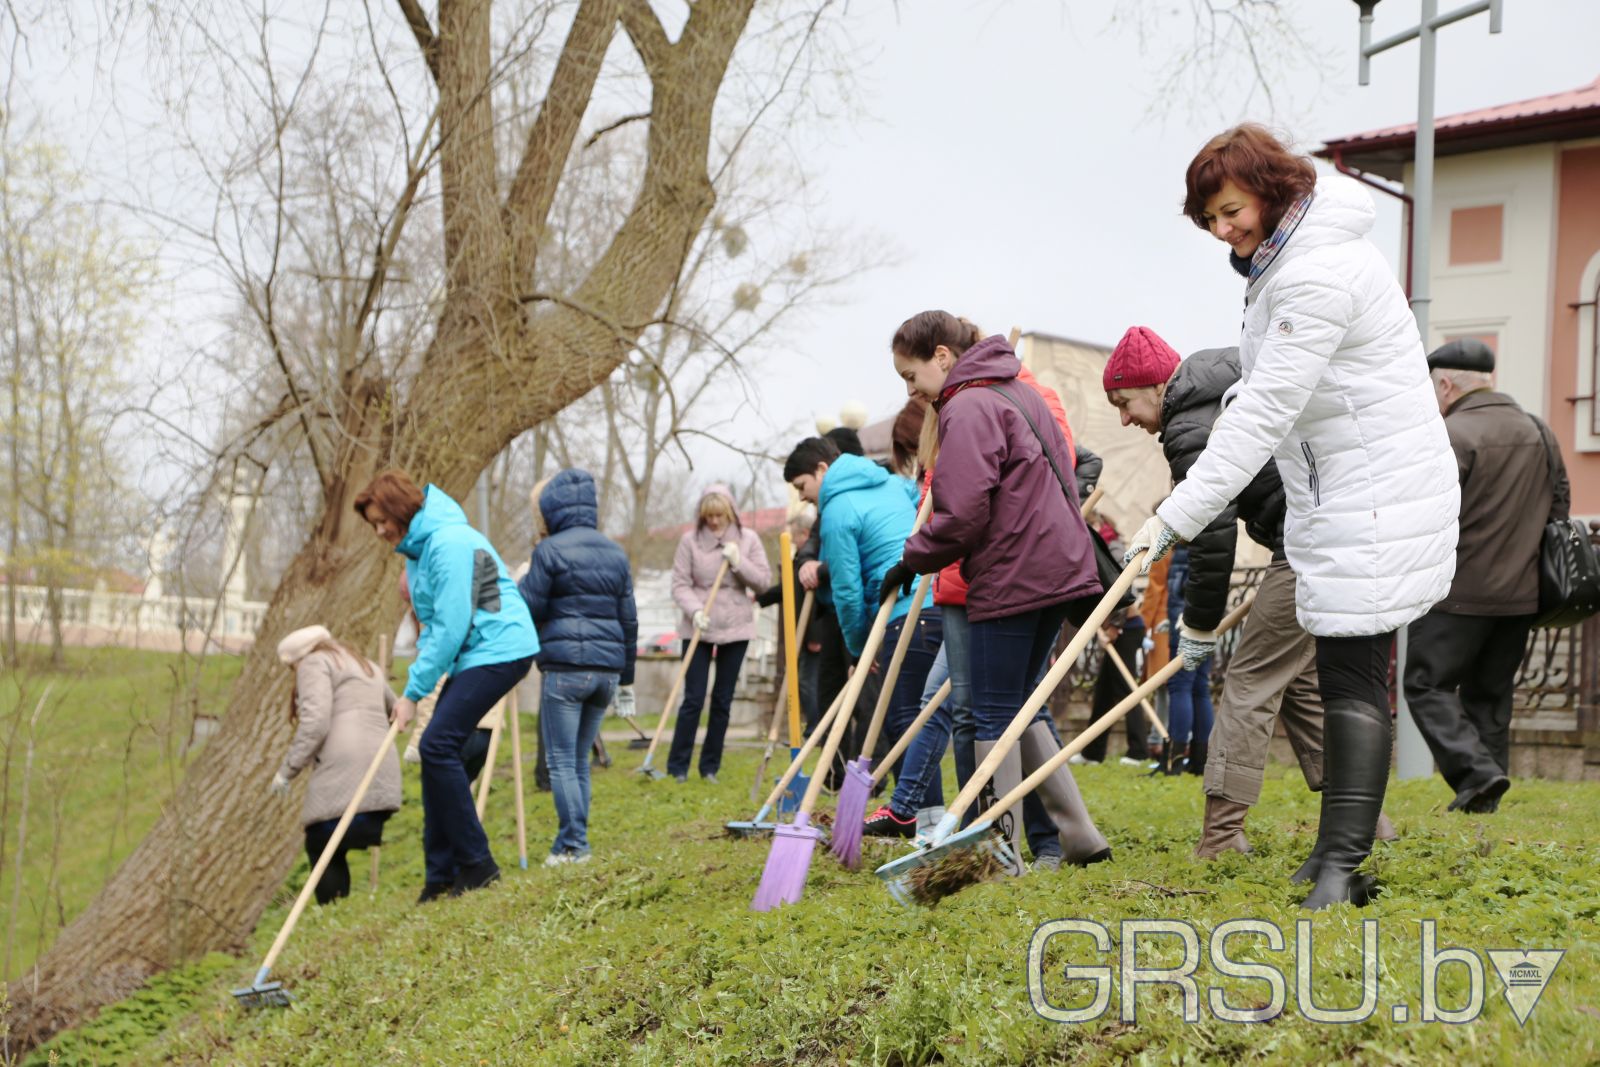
<point x="977" y="843"/>
<point x="270" y="995"/>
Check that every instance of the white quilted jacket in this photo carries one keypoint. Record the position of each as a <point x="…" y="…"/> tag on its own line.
<point x="1335" y="387"/>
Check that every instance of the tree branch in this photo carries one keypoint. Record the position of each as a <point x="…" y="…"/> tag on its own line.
<point x="550" y="138"/>
<point x="417" y="19"/>
<point x="648" y="37"/>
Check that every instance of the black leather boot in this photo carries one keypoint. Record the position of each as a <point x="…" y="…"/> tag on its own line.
<point x="1307" y="871"/>
<point x="1197" y="758"/>
<point x="1358" y="742"/>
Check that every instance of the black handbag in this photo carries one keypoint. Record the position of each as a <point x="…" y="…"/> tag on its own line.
<point x="1107" y="566"/>
<point x="1569" y="571"/>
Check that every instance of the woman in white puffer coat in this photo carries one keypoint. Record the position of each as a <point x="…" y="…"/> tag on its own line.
<point x="1335" y="388"/>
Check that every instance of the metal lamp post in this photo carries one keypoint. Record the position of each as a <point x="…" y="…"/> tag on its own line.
<point x="1412" y="758"/>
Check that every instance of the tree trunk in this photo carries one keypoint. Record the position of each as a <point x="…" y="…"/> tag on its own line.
<point x="202" y="877"/>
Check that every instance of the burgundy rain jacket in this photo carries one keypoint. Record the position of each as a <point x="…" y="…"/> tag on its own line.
<point x="996" y="502"/>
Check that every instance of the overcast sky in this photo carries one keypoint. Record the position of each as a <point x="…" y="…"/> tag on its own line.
<point x="1012" y="164"/>
<point x="1015" y="160"/>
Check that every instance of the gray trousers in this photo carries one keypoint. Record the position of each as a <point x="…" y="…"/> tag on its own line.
<point x="1273" y="671"/>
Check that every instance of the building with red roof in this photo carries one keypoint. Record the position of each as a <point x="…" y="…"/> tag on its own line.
<point x="1516" y="252"/>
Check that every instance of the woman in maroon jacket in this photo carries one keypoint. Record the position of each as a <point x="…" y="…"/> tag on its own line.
<point x="1003" y="501"/>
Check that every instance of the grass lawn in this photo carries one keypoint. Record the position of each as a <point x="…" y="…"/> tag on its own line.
<point x="648" y="954"/>
<point x="109" y="747"/>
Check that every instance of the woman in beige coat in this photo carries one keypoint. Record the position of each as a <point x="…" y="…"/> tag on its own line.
<point x="340" y="707"/>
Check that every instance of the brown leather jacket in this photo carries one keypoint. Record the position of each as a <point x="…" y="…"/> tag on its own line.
<point x="1507" y="497"/>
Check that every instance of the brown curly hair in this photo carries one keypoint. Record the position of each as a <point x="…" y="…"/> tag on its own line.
<point x="1255" y="160"/>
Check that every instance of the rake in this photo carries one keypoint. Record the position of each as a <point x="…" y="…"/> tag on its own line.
<point x="915" y="878"/>
<point x="1133" y="683"/>
<point x="783" y="880"/>
<point x="854" y="795"/>
<point x="262" y="993"/>
<point x="932" y="852"/>
<point x="777" y="720"/>
<point x="647" y="768"/>
<point x="757" y="826"/>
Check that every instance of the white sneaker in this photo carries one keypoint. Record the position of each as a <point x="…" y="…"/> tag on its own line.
<point x="558" y="859"/>
<point x="1046" y="864"/>
<point x="584" y="858"/>
<point x="1077" y="758"/>
<point x="1129" y="761"/>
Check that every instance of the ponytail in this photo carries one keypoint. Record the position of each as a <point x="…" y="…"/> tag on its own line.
<point x="919" y="335"/>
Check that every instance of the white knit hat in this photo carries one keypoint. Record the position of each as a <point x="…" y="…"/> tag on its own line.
<point x="295" y="647"/>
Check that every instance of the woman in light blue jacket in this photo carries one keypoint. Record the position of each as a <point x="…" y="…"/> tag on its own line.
<point x="476" y="629"/>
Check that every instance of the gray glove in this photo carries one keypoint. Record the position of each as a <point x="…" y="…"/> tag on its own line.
<point x="279" y="786"/>
<point x="1195" y="646"/>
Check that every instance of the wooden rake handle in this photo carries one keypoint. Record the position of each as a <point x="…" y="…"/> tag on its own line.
<point x="487" y="773"/>
<point x="514" y="714"/>
<point x="916" y="726"/>
<point x="1109" y="719"/>
<point x="330" y="848"/>
<point x="806" y="749"/>
<point x="783" y="680"/>
<point x="1089" y="502"/>
<point x="1041" y="693"/>
<point x="1133" y="683"/>
<point x="683" y="667"/>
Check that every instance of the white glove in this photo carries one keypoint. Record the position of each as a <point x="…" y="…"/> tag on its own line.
<point x="1195" y="646"/>
<point x="702" y="621"/>
<point x="626" y="708"/>
<point x="1155" y="535"/>
<point x="413" y="754"/>
<point x="1148" y="644"/>
<point x="280" y="785"/>
<point x="730" y="552"/>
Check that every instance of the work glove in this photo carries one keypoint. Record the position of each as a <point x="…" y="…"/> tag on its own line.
<point x="730" y="552"/>
<point x="702" y="621"/>
<point x="1164" y="626"/>
<point x="1148" y="644"/>
<point x="898" y="579"/>
<point x="280" y="785"/>
<point x="1155" y="535"/>
<point x="626" y="708"/>
<point x="1195" y="646"/>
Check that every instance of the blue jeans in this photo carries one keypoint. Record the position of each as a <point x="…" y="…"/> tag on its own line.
<point x="452" y="836"/>
<point x="1189" y="705"/>
<point x="1043" y="838"/>
<point x="730" y="657"/>
<point x="571" y="707"/>
<point x="1007" y="654"/>
<point x="917" y="774"/>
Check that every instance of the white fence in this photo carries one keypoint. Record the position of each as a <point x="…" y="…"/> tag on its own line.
<point x="101" y="617"/>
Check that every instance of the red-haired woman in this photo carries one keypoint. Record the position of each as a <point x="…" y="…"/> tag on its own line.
<point x="1335" y="388"/>
<point x="476" y="629"/>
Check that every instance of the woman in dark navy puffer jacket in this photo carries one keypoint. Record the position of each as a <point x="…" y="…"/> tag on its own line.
<point x="580" y="590"/>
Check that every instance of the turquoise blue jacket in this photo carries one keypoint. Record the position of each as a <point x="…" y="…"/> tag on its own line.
<point x="867" y="514"/>
<point x="470" y="610"/>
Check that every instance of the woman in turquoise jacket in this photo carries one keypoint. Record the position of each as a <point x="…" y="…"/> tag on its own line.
<point x="476" y="629"/>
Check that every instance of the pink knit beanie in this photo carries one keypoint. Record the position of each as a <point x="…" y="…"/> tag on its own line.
<point x="1141" y="358"/>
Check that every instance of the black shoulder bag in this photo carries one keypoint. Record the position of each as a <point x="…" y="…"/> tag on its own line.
<point x="1107" y="566"/>
<point x="1569" y="572"/>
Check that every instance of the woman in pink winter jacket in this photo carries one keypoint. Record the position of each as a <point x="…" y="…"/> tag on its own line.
<point x="725" y="631"/>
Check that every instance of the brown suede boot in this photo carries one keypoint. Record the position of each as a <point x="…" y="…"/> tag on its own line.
<point x="1223" y="829"/>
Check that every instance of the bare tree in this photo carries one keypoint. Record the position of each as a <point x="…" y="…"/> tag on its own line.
<point x="70" y="286"/>
<point x="496" y="329"/>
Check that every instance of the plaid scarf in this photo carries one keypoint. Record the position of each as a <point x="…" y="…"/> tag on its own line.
<point x="950" y="393"/>
<point x="1272" y="245"/>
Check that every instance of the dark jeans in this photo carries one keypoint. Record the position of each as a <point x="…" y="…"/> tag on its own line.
<point x="1109" y="690"/>
<point x="729" y="658"/>
<point x="452" y="836"/>
<point x="1461" y="671"/>
<point x="1189" y="710"/>
<point x="906" y="702"/>
<point x="1007" y="640"/>
<point x="365" y="831"/>
<point x="1007" y="654"/>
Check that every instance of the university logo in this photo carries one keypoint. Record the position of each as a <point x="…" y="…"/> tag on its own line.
<point x="1525" y="975"/>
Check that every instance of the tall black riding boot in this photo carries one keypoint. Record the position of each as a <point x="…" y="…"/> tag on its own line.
<point x="1313" y="864"/>
<point x="1197" y="758"/>
<point x="1358" y="742"/>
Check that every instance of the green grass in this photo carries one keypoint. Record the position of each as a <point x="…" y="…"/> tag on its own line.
<point x="649" y="954"/>
<point x="108" y="750"/>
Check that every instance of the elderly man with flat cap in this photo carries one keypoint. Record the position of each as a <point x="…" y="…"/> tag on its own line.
<point x="1464" y="654"/>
